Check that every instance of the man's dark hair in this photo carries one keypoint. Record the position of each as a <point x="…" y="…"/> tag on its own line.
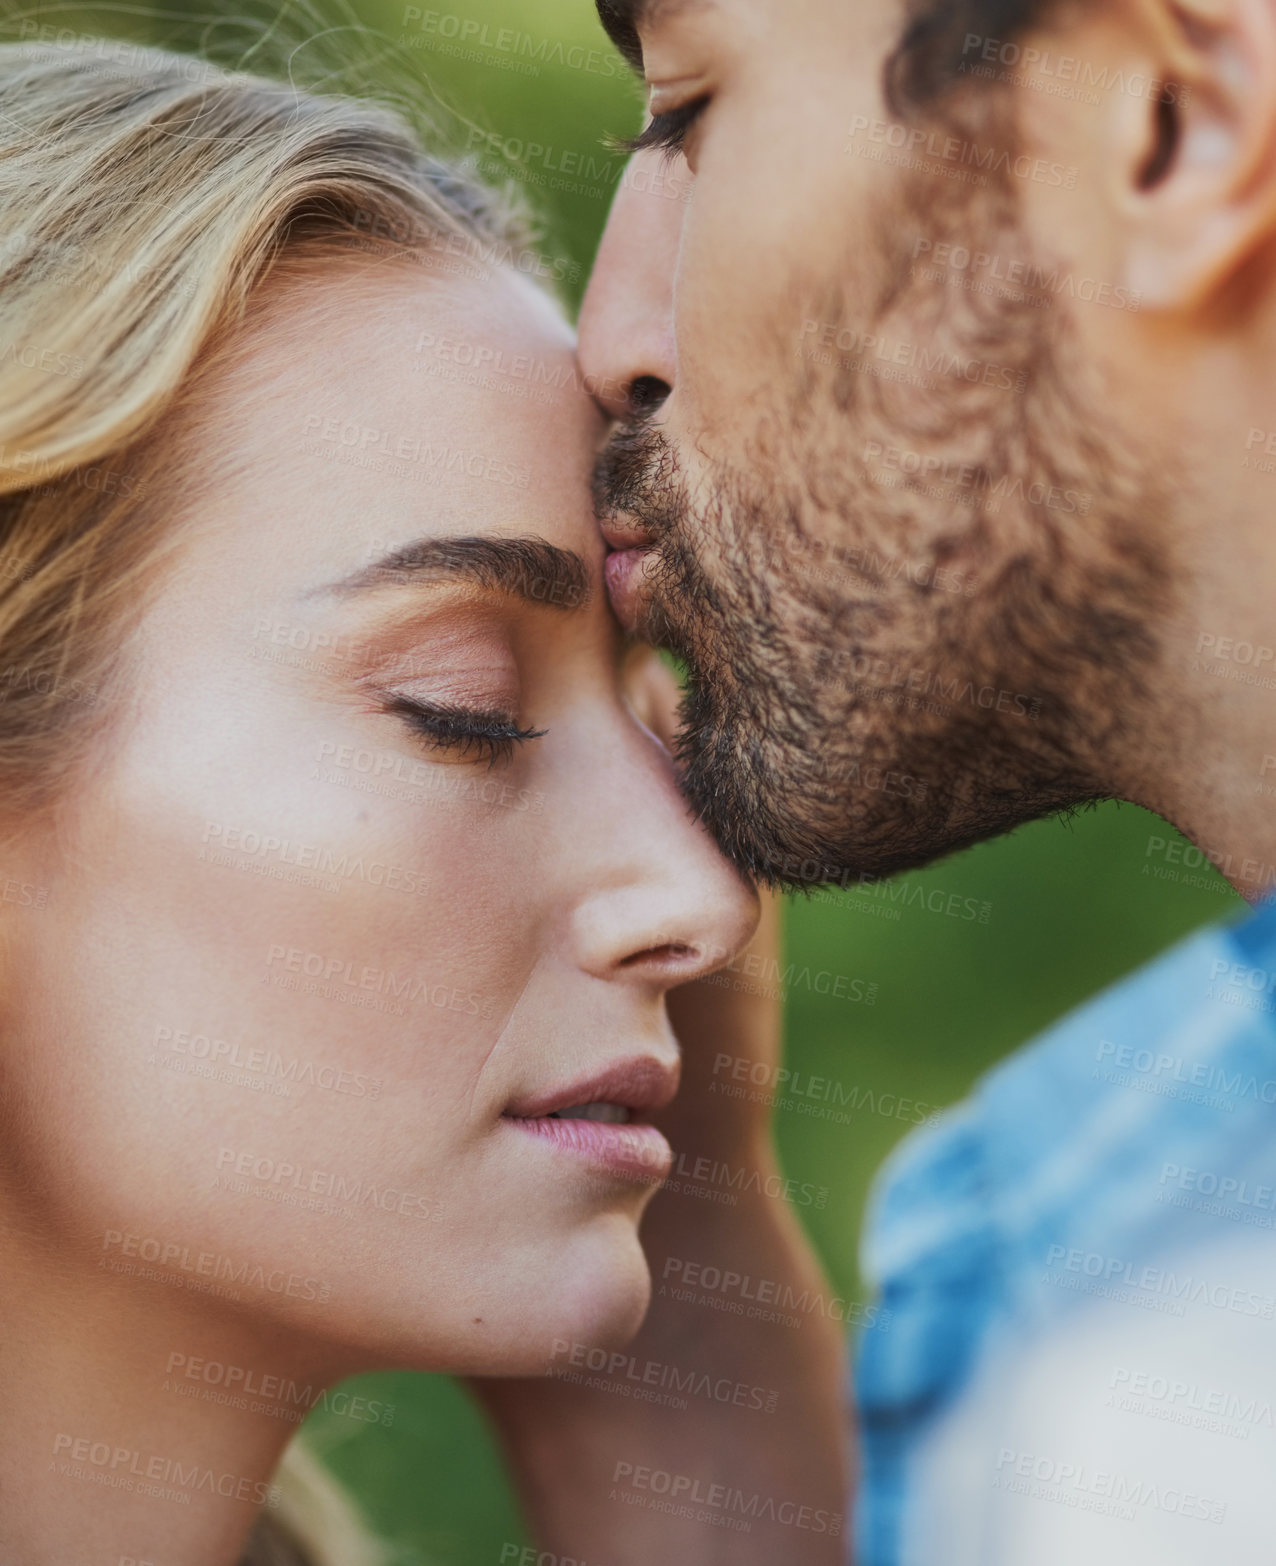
<point x="928" y="59"/>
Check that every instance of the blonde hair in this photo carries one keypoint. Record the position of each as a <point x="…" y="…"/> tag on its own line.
<point x="144" y="198"/>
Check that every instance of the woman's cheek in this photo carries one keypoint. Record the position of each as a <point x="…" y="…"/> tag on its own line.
<point x="274" y="1008"/>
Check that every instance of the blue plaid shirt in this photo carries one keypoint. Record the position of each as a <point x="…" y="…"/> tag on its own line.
<point x="1078" y="1188"/>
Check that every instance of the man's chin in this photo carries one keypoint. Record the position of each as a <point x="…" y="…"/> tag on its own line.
<point x="773" y="830"/>
<point x="773" y="837"/>
<point x="788" y="819"/>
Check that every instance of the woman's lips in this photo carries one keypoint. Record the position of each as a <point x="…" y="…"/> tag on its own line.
<point x="629" y="586"/>
<point x="623" y="1145"/>
<point x="632" y="1152"/>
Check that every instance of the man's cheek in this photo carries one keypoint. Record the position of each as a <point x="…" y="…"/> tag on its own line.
<point x="731" y="320"/>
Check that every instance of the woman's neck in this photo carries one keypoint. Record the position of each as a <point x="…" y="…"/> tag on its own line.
<point x="141" y="1420"/>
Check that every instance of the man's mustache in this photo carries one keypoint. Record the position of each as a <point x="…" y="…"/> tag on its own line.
<point x="635" y="476"/>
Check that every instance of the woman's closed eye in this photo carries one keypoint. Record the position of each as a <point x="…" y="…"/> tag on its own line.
<point x="469" y="733"/>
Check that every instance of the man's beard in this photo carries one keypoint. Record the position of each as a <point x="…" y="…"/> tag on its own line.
<point x="879" y="674"/>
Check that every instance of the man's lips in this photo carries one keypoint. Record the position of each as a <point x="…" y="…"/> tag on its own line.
<point x="626" y="569"/>
<point x="624" y="533"/>
<point x="629" y="586"/>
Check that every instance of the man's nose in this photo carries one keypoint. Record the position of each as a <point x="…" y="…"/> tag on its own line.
<point x="627" y="348"/>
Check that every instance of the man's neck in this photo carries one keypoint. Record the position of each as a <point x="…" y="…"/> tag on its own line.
<point x="1207" y="761"/>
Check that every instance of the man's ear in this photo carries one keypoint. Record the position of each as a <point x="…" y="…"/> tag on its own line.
<point x="1184" y="152"/>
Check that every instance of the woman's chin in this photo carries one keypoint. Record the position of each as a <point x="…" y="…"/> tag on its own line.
<point x="593" y="1295"/>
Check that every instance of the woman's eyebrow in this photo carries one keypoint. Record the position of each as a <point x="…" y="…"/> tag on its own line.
<point x="529" y="568"/>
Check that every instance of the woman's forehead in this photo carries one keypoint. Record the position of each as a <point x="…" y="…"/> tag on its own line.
<point x="388" y="402"/>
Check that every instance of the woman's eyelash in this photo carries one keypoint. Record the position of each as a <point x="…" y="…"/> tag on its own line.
<point x="667" y="132"/>
<point x="476" y="735"/>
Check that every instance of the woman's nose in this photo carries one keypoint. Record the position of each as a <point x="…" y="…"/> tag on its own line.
<point x="662" y="905"/>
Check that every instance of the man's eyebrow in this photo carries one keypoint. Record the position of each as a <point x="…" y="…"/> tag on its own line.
<point x="623" y="21"/>
<point x="528" y="568"/>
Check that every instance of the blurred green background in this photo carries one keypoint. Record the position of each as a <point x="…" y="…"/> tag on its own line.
<point x="531" y="90"/>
